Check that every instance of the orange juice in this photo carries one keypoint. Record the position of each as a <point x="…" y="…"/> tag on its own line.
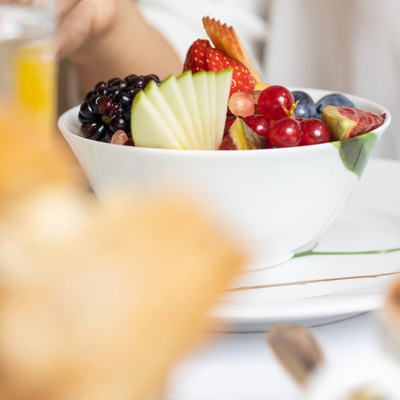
<point x="27" y="69"/>
<point x="28" y="155"/>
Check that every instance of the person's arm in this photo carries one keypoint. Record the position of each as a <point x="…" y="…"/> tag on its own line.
<point x="109" y="38"/>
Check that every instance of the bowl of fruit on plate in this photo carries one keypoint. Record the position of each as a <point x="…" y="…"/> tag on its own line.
<point x="275" y="165"/>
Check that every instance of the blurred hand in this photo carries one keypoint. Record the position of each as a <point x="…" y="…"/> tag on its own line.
<point x="90" y="35"/>
<point x="80" y="21"/>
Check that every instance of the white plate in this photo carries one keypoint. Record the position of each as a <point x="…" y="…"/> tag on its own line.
<point x="346" y="273"/>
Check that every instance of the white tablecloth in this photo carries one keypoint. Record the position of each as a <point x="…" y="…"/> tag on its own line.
<point x="243" y="367"/>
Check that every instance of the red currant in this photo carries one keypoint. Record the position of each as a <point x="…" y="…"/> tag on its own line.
<point x="285" y="133"/>
<point x="241" y="104"/>
<point x="273" y="101"/>
<point x="314" y="131"/>
<point x="259" y="124"/>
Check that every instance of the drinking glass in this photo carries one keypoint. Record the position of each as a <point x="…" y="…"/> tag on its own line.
<point x="27" y="68"/>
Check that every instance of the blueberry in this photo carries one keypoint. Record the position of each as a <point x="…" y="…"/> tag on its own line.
<point x="333" y="99"/>
<point x="306" y="107"/>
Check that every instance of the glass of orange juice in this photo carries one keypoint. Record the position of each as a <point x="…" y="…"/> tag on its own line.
<point x="27" y="68"/>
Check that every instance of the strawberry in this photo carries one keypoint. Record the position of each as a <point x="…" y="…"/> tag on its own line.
<point x="196" y="56"/>
<point x="242" y="80"/>
<point x="202" y="57"/>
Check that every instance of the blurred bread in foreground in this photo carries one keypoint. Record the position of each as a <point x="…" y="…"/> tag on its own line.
<point x="96" y="303"/>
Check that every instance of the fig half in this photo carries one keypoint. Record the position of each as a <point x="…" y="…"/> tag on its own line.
<point x="348" y="122"/>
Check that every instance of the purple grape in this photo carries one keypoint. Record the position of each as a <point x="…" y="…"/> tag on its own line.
<point x="124" y="99"/>
<point x="135" y="81"/>
<point x="90" y="94"/>
<point x="117" y="82"/>
<point x="150" y="78"/>
<point x="99" y="85"/>
<point x="104" y="105"/>
<point x="306" y="108"/>
<point x="87" y="111"/>
<point x="93" y="101"/>
<point x="88" y="129"/>
<point x="333" y="99"/>
<point x="117" y="123"/>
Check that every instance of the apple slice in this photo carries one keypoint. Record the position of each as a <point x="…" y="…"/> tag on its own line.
<point x="188" y="91"/>
<point x="201" y="90"/>
<point x="187" y="112"/>
<point x="148" y="126"/>
<point x="171" y="118"/>
<point x="177" y="104"/>
<point x="212" y="103"/>
<point x="222" y="95"/>
<point x="225" y="38"/>
<point x="218" y="89"/>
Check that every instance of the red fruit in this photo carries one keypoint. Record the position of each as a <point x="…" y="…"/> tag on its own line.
<point x="105" y="105"/>
<point x="129" y="142"/>
<point x="227" y="143"/>
<point x="314" y="131"/>
<point x="241" y="137"/>
<point x="241" y="104"/>
<point x="274" y="102"/>
<point x="228" y="123"/>
<point x="348" y="122"/>
<point x="196" y="56"/>
<point x="285" y="133"/>
<point x="242" y="80"/>
<point x="202" y="57"/>
<point x="259" y="124"/>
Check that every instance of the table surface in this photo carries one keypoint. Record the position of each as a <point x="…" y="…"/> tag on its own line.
<point x="239" y="366"/>
<point x="242" y="366"/>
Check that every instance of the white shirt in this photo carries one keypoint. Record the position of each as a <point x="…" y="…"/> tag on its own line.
<point x="351" y="46"/>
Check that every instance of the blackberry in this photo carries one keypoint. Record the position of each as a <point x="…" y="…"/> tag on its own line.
<point x="107" y="108"/>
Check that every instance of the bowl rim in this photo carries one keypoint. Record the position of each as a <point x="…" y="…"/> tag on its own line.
<point x="64" y="125"/>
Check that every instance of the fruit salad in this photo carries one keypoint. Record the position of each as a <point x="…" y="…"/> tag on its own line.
<point x="219" y="102"/>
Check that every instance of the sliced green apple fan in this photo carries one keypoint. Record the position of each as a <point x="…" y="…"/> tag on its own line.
<point x="187" y="112"/>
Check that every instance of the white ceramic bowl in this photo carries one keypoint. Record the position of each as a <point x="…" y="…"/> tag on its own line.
<point x="275" y="201"/>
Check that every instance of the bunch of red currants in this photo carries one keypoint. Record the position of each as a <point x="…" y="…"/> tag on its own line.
<point x="272" y="116"/>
